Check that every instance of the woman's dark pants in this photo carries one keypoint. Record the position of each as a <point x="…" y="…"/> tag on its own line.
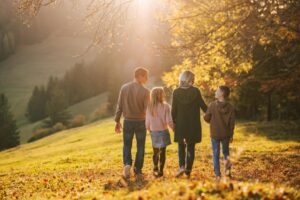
<point x="186" y="154"/>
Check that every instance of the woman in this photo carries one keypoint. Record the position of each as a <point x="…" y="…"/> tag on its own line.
<point x="186" y="104"/>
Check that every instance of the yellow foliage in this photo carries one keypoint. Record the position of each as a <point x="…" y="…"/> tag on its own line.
<point x="202" y="42"/>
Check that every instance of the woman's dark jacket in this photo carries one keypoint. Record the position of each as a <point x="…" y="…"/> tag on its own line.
<point x="186" y="106"/>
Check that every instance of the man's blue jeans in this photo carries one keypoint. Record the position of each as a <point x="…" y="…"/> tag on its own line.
<point x="216" y="153"/>
<point x="131" y="128"/>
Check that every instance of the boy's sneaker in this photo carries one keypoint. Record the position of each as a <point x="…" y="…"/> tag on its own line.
<point x="126" y="171"/>
<point x="180" y="172"/>
<point x="218" y="179"/>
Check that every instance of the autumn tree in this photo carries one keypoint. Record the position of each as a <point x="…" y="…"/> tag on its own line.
<point x="230" y="42"/>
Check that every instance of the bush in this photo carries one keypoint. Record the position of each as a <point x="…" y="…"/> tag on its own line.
<point x="59" y="117"/>
<point x="40" y="133"/>
<point x="44" y="132"/>
<point x="77" y="121"/>
<point x="58" y="127"/>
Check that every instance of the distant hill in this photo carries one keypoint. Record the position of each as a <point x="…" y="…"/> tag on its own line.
<point x="33" y="64"/>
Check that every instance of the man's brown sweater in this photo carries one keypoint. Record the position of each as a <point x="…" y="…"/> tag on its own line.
<point x="221" y="117"/>
<point x="133" y="101"/>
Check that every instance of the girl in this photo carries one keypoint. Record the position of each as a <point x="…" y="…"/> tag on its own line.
<point x="158" y="118"/>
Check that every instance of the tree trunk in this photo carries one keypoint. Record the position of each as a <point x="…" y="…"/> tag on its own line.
<point x="269" y="106"/>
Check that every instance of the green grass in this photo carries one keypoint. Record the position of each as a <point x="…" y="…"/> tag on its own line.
<point x="89" y="106"/>
<point x="86" y="163"/>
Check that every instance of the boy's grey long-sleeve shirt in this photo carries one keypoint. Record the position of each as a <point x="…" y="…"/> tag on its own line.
<point x="133" y="101"/>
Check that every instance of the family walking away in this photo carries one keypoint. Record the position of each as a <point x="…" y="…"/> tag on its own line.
<point x="144" y="111"/>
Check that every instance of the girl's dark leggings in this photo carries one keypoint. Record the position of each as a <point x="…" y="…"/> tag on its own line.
<point x="159" y="156"/>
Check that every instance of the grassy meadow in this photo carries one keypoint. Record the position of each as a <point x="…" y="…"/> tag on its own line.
<point x="86" y="163"/>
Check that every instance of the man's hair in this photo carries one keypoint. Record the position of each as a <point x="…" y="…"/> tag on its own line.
<point x="140" y="71"/>
<point x="225" y="90"/>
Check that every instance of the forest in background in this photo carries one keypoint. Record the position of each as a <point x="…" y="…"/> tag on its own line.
<point x="50" y="100"/>
<point x="251" y="46"/>
<point x="14" y="31"/>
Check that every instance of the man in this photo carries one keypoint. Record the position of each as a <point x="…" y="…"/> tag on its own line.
<point x="132" y="103"/>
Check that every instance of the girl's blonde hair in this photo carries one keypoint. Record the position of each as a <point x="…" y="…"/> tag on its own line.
<point x="157" y="96"/>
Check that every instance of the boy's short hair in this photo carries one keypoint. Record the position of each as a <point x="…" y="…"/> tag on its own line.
<point x="225" y="90"/>
<point x="140" y="71"/>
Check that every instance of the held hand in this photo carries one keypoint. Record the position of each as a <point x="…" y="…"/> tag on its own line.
<point x="118" y="127"/>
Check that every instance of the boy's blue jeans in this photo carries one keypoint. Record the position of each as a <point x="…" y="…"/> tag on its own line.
<point x="131" y="128"/>
<point x="216" y="153"/>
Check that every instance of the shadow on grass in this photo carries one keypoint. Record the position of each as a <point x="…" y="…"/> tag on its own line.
<point x="137" y="185"/>
<point x="130" y="185"/>
<point x="279" y="168"/>
<point x="275" y="130"/>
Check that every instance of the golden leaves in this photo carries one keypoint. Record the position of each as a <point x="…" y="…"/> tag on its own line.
<point x="98" y="177"/>
<point x="208" y="43"/>
<point x="284" y="32"/>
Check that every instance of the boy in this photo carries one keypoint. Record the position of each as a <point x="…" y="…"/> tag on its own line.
<point x="220" y="114"/>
